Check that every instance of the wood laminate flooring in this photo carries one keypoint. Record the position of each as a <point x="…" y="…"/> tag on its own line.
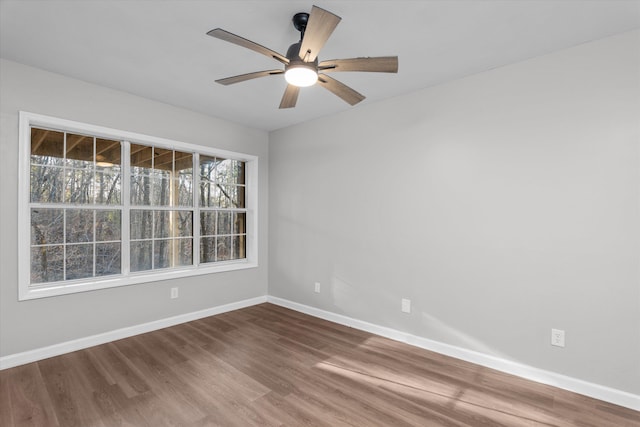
<point x="269" y="366"/>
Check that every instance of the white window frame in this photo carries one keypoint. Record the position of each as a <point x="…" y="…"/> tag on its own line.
<point x="26" y="291"/>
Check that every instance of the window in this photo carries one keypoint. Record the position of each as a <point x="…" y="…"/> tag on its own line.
<point x="74" y="214"/>
<point x="222" y="214"/>
<point x="161" y="201"/>
<point x="104" y="208"/>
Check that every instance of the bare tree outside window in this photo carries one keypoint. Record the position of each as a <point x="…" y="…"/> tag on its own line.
<point x="72" y="235"/>
<point x="77" y="205"/>
<point x="222" y="201"/>
<point x="161" y="179"/>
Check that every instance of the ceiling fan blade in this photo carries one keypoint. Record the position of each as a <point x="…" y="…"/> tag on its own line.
<point x="381" y="64"/>
<point x="319" y="27"/>
<point x="340" y="89"/>
<point x="248" y="76"/>
<point x="290" y="97"/>
<point x="221" y="34"/>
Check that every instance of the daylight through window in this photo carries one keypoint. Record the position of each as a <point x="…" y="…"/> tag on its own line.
<point x="103" y="211"/>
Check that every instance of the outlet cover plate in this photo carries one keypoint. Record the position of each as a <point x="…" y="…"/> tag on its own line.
<point x="557" y="337"/>
<point x="406" y="305"/>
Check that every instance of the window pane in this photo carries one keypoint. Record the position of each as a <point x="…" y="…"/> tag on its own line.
<point x="207" y="194"/>
<point x="240" y="196"/>
<point x="108" y="225"/>
<point x="140" y="188"/>
<point x="47" y="264"/>
<point x="227" y="196"/>
<point x="79" y="261"/>
<point x="239" y="223"/>
<point x="207" y="249"/>
<point x="162" y="253"/>
<point x="183" y="190"/>
<point x="107" y="185"/>
<point x="79" y="225"/>
<point x="183" y="224"/>
<point x="140" y="256"/>
<point x="223" y="248"/>
<point x="216" y="196"/>
<point x="239" y="173"/>
<point x="208" y="223"/>
<point x="161" y="228"/>
<point x="185" y="252"/>
<point x="47" y="147"/>
<point x="141" y="156"/>
<point x="234" y="195"/>
<point x="230" y="171"/>
<point x="183" y="163"/>
<point x="79" y="186"/>
<point x="108" y="153"/>
<point x="183" y="179"/>
<point x="141" y="224"/>
<point x="221" y="199"/>
<point x="141" y="161"/>
<point x="207" y="167"/>
<point x="79" y="151"/>
<point x="222" y="169"/>
<point x="224" y="222"/>
<point x="107" y="259"/>
<point x="239" y="247"/>
<point x="47" y="184"/>
<point x="47" y="226"/>
<point x="161" y="189"/>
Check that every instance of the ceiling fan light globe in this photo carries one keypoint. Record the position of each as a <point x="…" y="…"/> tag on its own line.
<point x="301" y="76"/>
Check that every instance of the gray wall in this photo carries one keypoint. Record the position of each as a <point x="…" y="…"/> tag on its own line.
<point x="503" y="205"/>
<point x="37" y="323"/>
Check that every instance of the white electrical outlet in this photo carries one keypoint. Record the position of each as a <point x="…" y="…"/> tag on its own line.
<point x="406" y="305"/>
<point x="557" y="337"/>
<point x="317" y="287"/>
<point x="174" y="293"/>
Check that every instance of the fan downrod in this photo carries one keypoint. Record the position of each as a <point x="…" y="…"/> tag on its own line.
<point x="300" y="22"/>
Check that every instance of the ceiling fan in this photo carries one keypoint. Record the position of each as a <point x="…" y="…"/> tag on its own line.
<point x="301" y="66"/>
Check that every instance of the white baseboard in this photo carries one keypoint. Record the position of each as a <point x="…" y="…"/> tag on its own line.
<point x="596" y="391"/>
<point x="575" y="385"/>
<point x="78" y="344"/>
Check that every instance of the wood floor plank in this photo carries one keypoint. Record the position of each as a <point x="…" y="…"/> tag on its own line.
<point x="120" y="369"/>
<point x="176" y="396"/>
<point x="72" y="403"/>
<point x="266" y="365"/>
<point x="29" y="400"/>
<point x="277" y="407"/>
<point x="6" y="412"/>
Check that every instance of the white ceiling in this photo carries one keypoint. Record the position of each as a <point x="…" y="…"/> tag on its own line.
<point x="159" y="49"/>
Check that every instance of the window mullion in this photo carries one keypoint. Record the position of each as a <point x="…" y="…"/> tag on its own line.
<point x="126" y="206"/>
<point x="93" y="205"/>
<point x="195" y="222"/>
<point x="64" y="216"/>
<point x="173" y="201"/>
<point x="95" y="246"/>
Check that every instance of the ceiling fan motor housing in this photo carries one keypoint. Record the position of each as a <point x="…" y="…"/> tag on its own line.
<point x="298" y="66"/>
<point x="293" y="56"/>
<point x="300" y="22"/>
